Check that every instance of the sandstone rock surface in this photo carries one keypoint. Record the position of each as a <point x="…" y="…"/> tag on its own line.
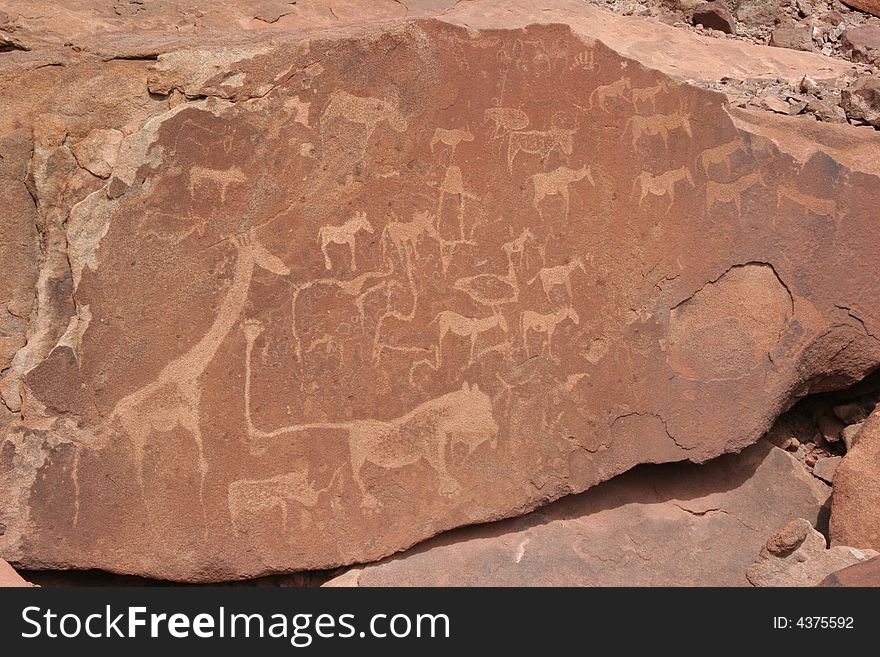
<point x="854" y="516"/>
<point x="10" y="578"/>
<point x="337" y="290"/>
<point x="677" y="525"/>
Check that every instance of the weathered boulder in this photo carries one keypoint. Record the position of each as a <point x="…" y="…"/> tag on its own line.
<point x="861" y="100"/>
<point x="715" y="15"/>
<point x="864" y="573"/>
<point x="863" y="42"/>
<point x="758" y="12"/>
<point x="343" y="290"/>
<point x="798" y="37"/>
<point x="855" y="519"/>
<point x="670" y="525"/>
<point x="869" y="6"/>
<point x="796" y="555"/>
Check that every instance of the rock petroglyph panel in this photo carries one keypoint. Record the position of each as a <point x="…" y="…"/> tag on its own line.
<point x="377" y="297"/>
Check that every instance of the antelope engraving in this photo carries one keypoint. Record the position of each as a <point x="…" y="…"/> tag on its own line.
<point x="552" y="277"/>
<point x="546" y="324"/>
<point x="662" y="185"/>
<point x="505" y="119"/>
<point x="248" y="497"/>
<point x="344" y="234"/>
<point x="648" y="94"/>
<point x="366" y="111"/>
<point x="719" y="155"/>
<point x="604" y="93"/>
<point x="517" y="247"/>
<point x="222" y="178"/>
<point x="731" y="192"/>
<point x="449" y="321"/>
<point x="450" y="137"/>
<point x="404" y="236"/>
<point x="540" y="143"/>
<point x="556" y="183"/>
<point x="657" y="125"/>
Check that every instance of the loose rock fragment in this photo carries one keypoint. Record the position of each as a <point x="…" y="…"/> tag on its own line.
<point x="862" y="100"/>
<point x="825" y="468"/>
<point x="856" y="499"/>
<point x="716" y="16"/>
<point x="796" y="556"/>
<point x="794" y="38"/>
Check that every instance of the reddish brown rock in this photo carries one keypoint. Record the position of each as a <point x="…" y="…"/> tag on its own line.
<point x="861" y="100"/>
<point x="854" y="517"/>
<point x="98" y="151"/>
<point x="340" y="293"/>
<point x="797" y="556"/>
<point x="829" y="425"/>
<point x="675" y="525"/>
<point x="795" y="38"/>
<point x="759" y="12"/>
<point x="865" y="573"/>
<point x="869" y="6"/>
<point x="863" y="42"/>
<point x="10" y="578"/>
<point x="715" y="15"/>
<point x="826" y="467"/>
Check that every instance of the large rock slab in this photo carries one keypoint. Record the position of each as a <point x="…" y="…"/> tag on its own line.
<point x="855" y="519"/>
<point x="340" y="291"/>
<point x="672" y="525"/>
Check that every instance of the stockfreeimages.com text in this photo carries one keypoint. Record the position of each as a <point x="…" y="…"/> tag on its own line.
<point x="299" y="629"/>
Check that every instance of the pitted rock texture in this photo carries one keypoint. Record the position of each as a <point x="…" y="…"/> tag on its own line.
<point x="674" y="525"/>
<point x="332" y="293"/>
